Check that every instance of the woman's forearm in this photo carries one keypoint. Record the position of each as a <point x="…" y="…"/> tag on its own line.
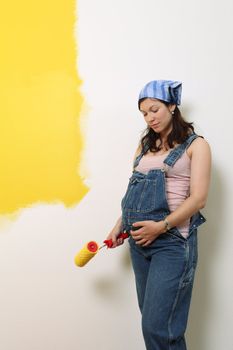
<point x="118" y="223"/>
<point x="185" y="211"/>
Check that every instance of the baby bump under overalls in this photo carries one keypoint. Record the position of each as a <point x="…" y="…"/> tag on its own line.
<point x="164" y="271"/>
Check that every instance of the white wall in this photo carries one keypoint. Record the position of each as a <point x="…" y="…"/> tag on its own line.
<point x="47" y="302"/>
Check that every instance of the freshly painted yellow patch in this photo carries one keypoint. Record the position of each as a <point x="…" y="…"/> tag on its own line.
<point x="40" y="104"/>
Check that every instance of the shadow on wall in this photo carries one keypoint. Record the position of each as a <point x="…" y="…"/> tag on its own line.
<point x="208" y="237"/>
<point x="108" y="287"/>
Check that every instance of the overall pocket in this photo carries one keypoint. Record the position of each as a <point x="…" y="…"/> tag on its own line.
<point x="140" y="195"/>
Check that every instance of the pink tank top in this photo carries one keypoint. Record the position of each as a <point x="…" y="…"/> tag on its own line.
<point x="177" y="181"/>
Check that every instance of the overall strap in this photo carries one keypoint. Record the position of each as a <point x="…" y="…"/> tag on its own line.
<point x="176" y="153"/>
<point x="138" y="158"/>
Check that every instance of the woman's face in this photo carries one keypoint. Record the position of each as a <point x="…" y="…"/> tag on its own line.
<point x="157" y="115"/>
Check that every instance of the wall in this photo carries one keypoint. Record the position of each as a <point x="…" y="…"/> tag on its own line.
<point x="47" y="302"/>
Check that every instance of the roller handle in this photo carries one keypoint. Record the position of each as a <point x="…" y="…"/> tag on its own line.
<point x="109" y="242"/>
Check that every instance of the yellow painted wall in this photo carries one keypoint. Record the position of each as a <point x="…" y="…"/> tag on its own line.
<point x="40" y="104"/>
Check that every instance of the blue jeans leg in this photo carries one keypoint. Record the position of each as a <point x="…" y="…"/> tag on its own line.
<point x="164" y="274"/>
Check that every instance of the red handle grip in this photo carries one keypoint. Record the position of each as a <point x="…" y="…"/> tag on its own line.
<point x="109" y="242"/>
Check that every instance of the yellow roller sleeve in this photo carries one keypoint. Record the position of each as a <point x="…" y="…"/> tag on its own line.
<point x="86" y="253"/>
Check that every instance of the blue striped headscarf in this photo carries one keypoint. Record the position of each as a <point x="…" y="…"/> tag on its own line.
<point x="165" y="90"/>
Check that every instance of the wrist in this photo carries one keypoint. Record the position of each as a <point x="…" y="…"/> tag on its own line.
<point x="162" y="227"/>
<point x="166" y="224"/>
<point x="118" y="225"/>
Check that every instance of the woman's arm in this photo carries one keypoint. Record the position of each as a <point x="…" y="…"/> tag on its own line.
<point x="200" y="155"/>
<point x="199" y="152"/>
<point x="115" y="232"/>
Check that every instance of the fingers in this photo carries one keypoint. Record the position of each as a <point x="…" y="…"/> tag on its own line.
<point x="138" y="236"/>
<point x="120" y="241"/>
<point x="143" y="232"/>
<point x="141" y="241"/>
<point x="147" y="244"/>
<point x="137" y="228"/>
<point x="139" y="223"/>
<point x="136" y="231"/>
<point x="115" y="241"/>
<point x="144" y="242"/>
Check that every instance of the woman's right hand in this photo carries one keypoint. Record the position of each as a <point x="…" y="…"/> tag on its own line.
<point x="113" y="236"/>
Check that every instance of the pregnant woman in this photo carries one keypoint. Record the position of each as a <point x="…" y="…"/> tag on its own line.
<point x="160" y="211"/>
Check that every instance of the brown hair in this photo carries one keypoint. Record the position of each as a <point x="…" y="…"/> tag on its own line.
<point x="181" y="129"/>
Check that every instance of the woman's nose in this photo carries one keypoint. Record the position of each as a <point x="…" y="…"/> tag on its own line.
<point x="150" y="117"/>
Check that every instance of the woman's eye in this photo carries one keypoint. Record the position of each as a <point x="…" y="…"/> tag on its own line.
<point x="154" y="111"/>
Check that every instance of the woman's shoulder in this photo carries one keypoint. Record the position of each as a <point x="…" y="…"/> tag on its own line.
<point x="198" y="145"/>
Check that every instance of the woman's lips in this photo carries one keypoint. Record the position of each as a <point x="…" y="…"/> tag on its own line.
<point x="154" y="125"/>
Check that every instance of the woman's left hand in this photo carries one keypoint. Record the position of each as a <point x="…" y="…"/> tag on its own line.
<point x="147" y="231"/>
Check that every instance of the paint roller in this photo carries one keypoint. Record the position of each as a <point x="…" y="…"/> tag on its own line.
<point x="91" y="249"/>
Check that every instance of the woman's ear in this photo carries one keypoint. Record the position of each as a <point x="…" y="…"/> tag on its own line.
<point x="172" y="107"/>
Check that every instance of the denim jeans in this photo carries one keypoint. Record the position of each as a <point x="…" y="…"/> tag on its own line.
<point x="164" y="274"/>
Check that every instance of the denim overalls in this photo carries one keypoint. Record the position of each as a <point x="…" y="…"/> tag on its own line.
<point x="164" y="271"/>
